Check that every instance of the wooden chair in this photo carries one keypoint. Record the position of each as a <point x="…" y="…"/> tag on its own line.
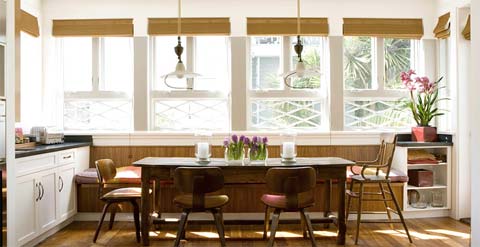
<point x="195" y="183"/>
<point x="292" y="191"/>
<point x="106" y="175"/>
<point x="379" y="171"/>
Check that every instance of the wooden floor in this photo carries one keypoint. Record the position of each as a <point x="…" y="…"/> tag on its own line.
<point x="433" y="232"/>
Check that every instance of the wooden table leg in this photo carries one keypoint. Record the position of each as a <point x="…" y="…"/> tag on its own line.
<point x="146" y="205"/>
<point x="328" y="199"/>
<point x="156" y="202"/>
<point x="342" y="226"/>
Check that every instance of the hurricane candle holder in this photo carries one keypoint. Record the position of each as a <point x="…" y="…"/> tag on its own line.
<point x="288" y="149"/>
<point x="203" y="146"/>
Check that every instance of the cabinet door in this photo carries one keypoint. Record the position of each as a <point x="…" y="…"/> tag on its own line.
<point x="46" y="205"/>
<point x="66" y="203"/>
<point x="25" y="208"/>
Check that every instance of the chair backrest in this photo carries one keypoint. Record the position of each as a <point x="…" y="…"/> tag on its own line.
<point x="106" y="171"/>
<point x="291" y="182"/>
<point x="389" y="143"/>
<point x="198" y="181"/>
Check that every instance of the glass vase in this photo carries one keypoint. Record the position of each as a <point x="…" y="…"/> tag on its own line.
<point x="234" y="156"/>
<point x="257" y="156"/>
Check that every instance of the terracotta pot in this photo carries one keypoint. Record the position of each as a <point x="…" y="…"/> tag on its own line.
<point x="424" y="134"/>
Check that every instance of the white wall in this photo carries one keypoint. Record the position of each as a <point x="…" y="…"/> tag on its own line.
<point x="474" y="107"/>
<point x="335" y="10"/>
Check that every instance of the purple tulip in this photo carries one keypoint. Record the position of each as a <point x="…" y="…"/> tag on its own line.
<point x="265" y="140"/>
<point x="255" y="139"/>
<point x="226" y="142"/>
<point x="234" y="138"/>
<point x="242" y="138"/>
<point x="247" y="141"/>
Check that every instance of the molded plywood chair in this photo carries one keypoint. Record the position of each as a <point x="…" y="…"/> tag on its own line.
<point x="194" y="183"/>
<point x="106" y="175"/>
<point x="381" y="168"/>
<point x="291" y="190"/>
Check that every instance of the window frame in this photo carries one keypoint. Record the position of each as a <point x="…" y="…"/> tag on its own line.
<point x="96" y="93"/>
<point x="381" y="92"/>
<point x="172" y="94"/>
<point x="288" y="94"/>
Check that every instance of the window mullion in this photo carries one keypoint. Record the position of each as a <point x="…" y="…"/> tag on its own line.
<point x="380" y="65"/>
<point x="286" y="58"/>
<point x="190" y="59"/>
<point x="96" y="62"/>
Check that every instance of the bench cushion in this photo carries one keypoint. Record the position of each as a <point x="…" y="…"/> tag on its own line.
<point x="396" y="176"/>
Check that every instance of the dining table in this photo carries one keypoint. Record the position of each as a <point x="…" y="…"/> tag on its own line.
<point x="158" y="169"/>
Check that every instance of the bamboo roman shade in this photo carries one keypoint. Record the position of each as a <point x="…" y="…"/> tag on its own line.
<point x="287" y="26"/>
<point x="466" y="30"/>
<point x="28" y="23"/>
<point x="93" y="28"/>
<point x="442" y="30"/>
<point x="386" y="28"/>
<point x="189" y="26"/>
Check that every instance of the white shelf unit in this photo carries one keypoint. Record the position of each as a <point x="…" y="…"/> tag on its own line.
<point x="442" y="176"/>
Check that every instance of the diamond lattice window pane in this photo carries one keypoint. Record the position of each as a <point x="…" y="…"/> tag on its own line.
<point x="97" y="115"/>
<point x="278" y="114"/>
<point x="376" y="114"/>
<point x="190" y="114"/>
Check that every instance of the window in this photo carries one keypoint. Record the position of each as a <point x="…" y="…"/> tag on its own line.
<point x="272" y="105"/>
<point x="207" y="105"/>
<point x="372" y="85"/>
<point x="97" y="75"/>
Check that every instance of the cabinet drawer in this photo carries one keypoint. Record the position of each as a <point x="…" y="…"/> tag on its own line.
<point x="66" y="157"/>
<point x="34" y="164"/>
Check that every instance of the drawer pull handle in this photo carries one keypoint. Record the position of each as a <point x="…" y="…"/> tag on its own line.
<point x="43" y="191"/>
<point x="67" y="157"/>
<point x="61" y="180"/>
<point x="39" y="192"/>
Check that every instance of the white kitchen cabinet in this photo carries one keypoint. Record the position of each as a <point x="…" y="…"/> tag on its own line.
<point x="66" y="199"/>
<point x="46" y="192"/>
<point x="25" y="209"/>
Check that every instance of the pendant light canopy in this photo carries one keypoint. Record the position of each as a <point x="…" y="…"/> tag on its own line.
<point x="300" y="69"/>
<point x="180" y="70"/>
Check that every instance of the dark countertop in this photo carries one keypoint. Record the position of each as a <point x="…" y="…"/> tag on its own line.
<point x="423" y="144"/>
<point x="42" y="149"/>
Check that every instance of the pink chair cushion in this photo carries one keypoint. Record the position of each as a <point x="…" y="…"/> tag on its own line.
<point x="125" y="175"/>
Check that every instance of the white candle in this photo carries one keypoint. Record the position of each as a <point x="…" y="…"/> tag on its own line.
<point x="203" y="151"/>
<point x="288" y="150"/>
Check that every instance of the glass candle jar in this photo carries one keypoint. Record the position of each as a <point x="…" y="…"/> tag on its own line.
<point x="203" y="146"/>
<point x="288" y="149"/>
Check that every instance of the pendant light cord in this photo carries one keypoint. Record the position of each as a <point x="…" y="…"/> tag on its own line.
<point x="179" y="19"/>
<point x="298" y="17"/>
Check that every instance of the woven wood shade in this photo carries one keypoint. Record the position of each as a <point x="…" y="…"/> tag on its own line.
<point x="189" y="26"/>
<point x="387" y="28"/>
<point x="466" y="30"/>
<point x="287" y="26"/>
<point x="28" y="23"/>
<point x="442" y="29"/>
<point x="93" y="28"/>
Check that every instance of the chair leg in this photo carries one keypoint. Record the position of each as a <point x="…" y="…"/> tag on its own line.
<point x="113" y="211"/>
<point x="266" y="221"/>
<point x="386" y="204"/>
<point x="273" y="228"/>
<point x="303" y="225"/>
<point x="400" y="214"/>
<point x="105" y="209"/>
<point x="349" y="200"/>
<point x="309" y="227"/>
<point x="219" y="223"/>
<point x="359" y="212"/>
<point x="136" y="218"/>
<point x="181" y="227"/>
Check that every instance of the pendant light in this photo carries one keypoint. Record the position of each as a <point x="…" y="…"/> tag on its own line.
<point x="180" y="71"/>
<point x="300" y="70"/>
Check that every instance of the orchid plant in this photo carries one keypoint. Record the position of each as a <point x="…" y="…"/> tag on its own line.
<point x="257" y="148"/>
<point x="234" y="147"/>
<point x="423" y="97"/>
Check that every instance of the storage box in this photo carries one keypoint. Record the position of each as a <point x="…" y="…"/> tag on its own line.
<point x="420" y="177"/>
